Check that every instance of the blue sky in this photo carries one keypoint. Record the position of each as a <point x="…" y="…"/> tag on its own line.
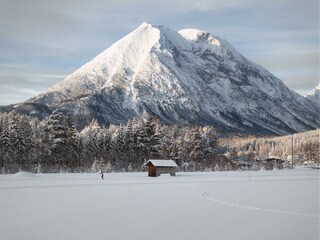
<point x="41" y="42"/>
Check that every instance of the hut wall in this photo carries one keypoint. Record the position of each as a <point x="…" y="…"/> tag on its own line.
<point x="152" y="171"/>
<point x="169" y="170"/>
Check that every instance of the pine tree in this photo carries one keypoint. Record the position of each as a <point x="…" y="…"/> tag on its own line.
<point x="139" y="148"/>
<point x="107" y="145"/>
<point x="120" y="149"/>
<point x="155" y="142"/>
<point x="5" y="144"/>
<point x="151" y="139"/>
<point x="19" y="140"/>
<point x="91" y="147"/>
<point x="130" y="141"/>
<point x="145" y="134"/>
<point x="164" y="148"/>
<point x="196" y="154"/>
<point x="57" y="139"/>
<point x="210" y="142"/>
<point x="80" y="152"/>
<point x="71" y="144"/>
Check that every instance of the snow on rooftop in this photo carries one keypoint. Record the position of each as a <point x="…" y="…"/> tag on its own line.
<point x="163" y="163"/>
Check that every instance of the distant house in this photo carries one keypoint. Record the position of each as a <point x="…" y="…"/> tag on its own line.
<point x="157" y="167"/>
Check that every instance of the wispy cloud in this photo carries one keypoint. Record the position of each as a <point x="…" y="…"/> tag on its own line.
<point x="18" y="82"/>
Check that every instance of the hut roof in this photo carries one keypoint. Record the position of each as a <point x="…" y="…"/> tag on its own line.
<point x="162" y="163"/>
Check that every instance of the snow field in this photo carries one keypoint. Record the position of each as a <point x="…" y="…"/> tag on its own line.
<point x="212" y="205"/>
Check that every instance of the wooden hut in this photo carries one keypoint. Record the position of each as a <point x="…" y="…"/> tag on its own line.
<point x="157" y="167"/>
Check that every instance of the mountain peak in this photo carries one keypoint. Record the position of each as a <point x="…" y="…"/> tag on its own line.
<point x="148" y="25"/>
<point x="149" y="28"/>
<point x="145" y="24"/>
<point x="145" y="27"/>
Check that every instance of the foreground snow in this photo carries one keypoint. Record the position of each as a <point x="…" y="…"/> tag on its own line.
<point x="214" y="205"/>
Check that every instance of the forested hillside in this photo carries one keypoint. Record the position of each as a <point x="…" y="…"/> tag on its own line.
<point x="304" y="146"/>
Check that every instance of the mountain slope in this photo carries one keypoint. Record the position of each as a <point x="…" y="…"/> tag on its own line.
<point x="186" y="77"/>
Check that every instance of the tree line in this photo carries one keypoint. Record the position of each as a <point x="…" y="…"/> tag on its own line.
<point x="301" y="147"/>
<point x="55" y="145"/>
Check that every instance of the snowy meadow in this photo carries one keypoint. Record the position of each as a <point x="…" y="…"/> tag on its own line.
<point x="281" y="204"/>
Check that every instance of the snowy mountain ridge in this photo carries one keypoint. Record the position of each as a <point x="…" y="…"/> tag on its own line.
<point x="314" y="96"/>
<point x="185" y="77"/>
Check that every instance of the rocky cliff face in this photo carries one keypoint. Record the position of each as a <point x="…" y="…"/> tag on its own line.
<point x="186" y="77"/>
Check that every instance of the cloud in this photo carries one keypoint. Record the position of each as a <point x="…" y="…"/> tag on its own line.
<point x="302" y="84"/>
<point x="299" y="72"/>
<point x="292" y="63"/>
<point x="18" y="83"/>
<point x="11" y="94"/>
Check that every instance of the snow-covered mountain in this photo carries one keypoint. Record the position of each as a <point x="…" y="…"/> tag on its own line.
<point x="186" y="77"/>
<point x="314" y="96"/>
